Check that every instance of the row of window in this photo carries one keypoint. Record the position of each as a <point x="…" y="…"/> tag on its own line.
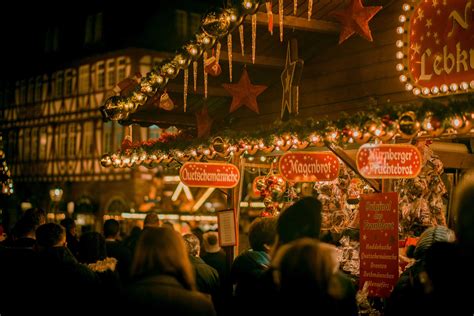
<point x="102" y="75"/>
<point x="35" y="143"/>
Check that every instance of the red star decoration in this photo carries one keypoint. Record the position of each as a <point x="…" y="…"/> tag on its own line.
<point x="355" y="19"/>
<point x="204" y="122"/>
<point x="244" y="93"/>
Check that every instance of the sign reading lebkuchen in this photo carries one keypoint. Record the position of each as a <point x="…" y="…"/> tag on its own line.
<point x="379" y="242"/>
<point x="209" y="175"/>
<point x="438" y="48"/>
<point x="388" y="161"/>
<point x="309" y="167"/>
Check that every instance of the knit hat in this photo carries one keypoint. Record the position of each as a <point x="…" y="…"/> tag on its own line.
<point x="211" y="242"/>
<point x="429" y="237"/>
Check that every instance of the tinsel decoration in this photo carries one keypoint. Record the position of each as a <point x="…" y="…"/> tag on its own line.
<point x="310" y="9"/>
<point x="254" y="36"/>
<point x="280" y="18"/>
<point x="204" y="58"/>
<point x="268" y="6"/>
<point x="195" y="74"/>
<point x="241" y="35"/>
<point x="421" y="198"/>
<point x="295" y="7"/>
<point x="229" y="52"/>
<point x="185" y="88"/>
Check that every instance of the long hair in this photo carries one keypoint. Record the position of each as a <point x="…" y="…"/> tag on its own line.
<point x="162" y="251"/>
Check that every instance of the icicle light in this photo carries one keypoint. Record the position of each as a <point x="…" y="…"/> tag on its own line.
<point x="310" y="9"/>
<point x="295" y="7"/>
<point x="195" y="74"/>
<point x="218" y="51"/>
<point x="241" y="34"/>
<point x="229" y="54"/>
<point x="280" y="18"/>
<point x="185" y="87"/>
<point x="254" y="36"/>
<point x="268" y="6"/>
<point x="204" y="58"/>
<point x="297" y="99"/>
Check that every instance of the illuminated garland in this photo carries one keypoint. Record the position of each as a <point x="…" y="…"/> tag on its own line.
<point x="385" y="124"/>
<point x="5" y="174"/>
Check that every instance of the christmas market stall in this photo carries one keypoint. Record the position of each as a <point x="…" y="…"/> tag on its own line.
<point x="366" y="105"/>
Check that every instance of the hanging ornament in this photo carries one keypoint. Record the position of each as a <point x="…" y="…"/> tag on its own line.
<point x="182" y="59"/>
<point x="461" y="124"/>
<point x="287" y="83"/>
<point x="355" y="19"/>
<point x="244" y="93"/>
<point x="204" y="58"/>
<point x="219" y="145"/>
<point x="241" y="35"/>
<point x="280" y="18"/>
<point x="195" y="74"/>
<point x="268" y="6"/>
<point x="254" y="37"/>
<point x="310" y="9"/>
<point x="203" y="122"/>
<point x="247" y="6"/>
<point x="165" y="102"/>
<point x="212" y="67"/>
<point x="432" y="125"/>
<point x="229" y="54"/>
<point x="295" y="7"/>
<point x="218" y="52"/>
<point x="408" y="125"/>
<point x="194" y="49"/>
<point x="360" y="136"/>
<point x="106" y="161"/>
<point x="185" y="88"/>
<point x="204" y="40"/>
<point x="236" y="18"/>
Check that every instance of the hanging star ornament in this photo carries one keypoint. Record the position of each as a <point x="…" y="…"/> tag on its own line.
<point x="355" y="19"/>
<point x="203" y="122"/>
<point x="244" y="93"/>
<point x="287" y="82"/>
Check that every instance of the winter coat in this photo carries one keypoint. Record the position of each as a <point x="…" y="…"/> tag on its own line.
<point x="165" y="295"/>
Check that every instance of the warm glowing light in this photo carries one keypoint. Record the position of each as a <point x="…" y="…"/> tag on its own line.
<point x="402" y="18"/>
<point x="402" y="78"/>
<point x="400" y="30"/>
<point x="262" y="159"/>
<point x="464" y="85"/>
<point x="426" y="91"/>
<point x="399" y="55"/>
<point x="408" y="87"/>
<point x="399" y="43"/>
<point x="444" y="88"/>
<point x="453" y="87"/>
<point x="416" y="91"/>
<point x="406" y="7"/>
<point x="457" y="122"/>
<point x="400" y="67"/>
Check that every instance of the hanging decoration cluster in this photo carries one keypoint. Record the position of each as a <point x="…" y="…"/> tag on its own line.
<point x="5" y="173"/>
<point x="383" y="124"/>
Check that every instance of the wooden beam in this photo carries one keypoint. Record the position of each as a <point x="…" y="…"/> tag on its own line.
<point x="456" y="160"/>
<point x="299" y="23"/>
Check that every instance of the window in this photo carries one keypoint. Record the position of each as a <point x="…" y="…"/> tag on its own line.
<point x="87" y="139"/>
<point x="43" y="142"/>
<point x="62" y="141"/>
<point x="118" y="134"/>
<point x="23" y="92"/>
<point x="31" y="90"/>
<point x="69" y="80"/>
<point x="98" y="27"/>
<point x="20" y="144"/>
<point x="108" y="140"/>
<point x="34" y="143"/>
<point x="110" y="73"/>
<point x="100" y="75"/>
<point x="181" y="24"/>
<point x="154" y="132"/>
<point x="38" y="89"/>
<point x="121" y="68"/>
<point x="59" y="88"/>
<point x="89" y="29"/>
<point x="195" y="22"/>
<point x="84" y="79"/>
<point x="71" y="143"/>
<point x="26" y="145"/>
<point x="12" y="153"/>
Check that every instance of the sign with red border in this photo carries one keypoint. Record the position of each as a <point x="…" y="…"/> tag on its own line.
<point x="309" y="166"/>
<point x="437" y="40"/>
<point x="227" y="228"/>
<point x="209" y="175"/>
<point x="384" y="161"/>
<point x="379" y="242"/>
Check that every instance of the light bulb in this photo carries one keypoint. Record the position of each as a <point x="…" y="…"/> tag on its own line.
<point x="402" y="78"/>
<point x="400" y="30"/>
<point x="444" y="88"/>
<point x="434" y="89"/>
<point x="402" y="18"/>
<point x="464" y="85"/>
<point x="399" y="55"/>
<point x="426" y="91"/>
<point x="416" y="91"/>
<point x="406" y="7"/>
<point x="453" y="87"/>
<point x="408" y="87"/>
<point x="400" y="67"/>
<point x="399" y="43"/>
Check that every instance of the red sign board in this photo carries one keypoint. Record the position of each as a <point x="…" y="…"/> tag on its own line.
<point x="379" y="242"/>
<point x="440" y="47"/>
<point x="383" y="161"/>
<point x="309" y="167"/>
<point x="209" y="175"/>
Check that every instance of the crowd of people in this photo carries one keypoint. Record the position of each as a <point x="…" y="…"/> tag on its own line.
<point x="44" y="268"/>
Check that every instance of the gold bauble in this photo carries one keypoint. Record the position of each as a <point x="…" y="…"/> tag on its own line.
<point x="408" y="125"/>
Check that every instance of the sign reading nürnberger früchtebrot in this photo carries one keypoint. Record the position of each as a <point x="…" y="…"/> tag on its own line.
<point x="209" y="175"/>
<point x="385" y="161"/>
